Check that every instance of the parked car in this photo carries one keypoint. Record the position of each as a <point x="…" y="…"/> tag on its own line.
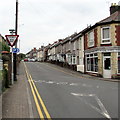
<point x="25" y="60"/>
<point x="31" y="60"/>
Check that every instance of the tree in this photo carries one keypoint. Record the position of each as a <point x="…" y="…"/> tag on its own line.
<point x="4" y="47"/>
<point x="21" y="56"/>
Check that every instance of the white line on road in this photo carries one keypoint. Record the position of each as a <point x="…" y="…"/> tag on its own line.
<point x="102" y="109"/>
<point x="63" y="83"/>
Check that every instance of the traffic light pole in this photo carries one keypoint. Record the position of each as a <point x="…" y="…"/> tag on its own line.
<point x="16" y="32"/>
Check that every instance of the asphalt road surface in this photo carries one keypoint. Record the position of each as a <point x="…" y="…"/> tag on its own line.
<point x="71" y="95"/>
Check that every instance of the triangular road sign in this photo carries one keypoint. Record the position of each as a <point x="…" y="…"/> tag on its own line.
<point x="11" y="39"/>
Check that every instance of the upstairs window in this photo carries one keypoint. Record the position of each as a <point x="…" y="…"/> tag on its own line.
<point x="74" y="45"/>
<point x="105" y="35"/>
<point x="91" y="39"/>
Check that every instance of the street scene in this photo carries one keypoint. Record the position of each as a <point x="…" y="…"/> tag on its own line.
<point x="60" y="60"/>
<point x="55" y="92"/>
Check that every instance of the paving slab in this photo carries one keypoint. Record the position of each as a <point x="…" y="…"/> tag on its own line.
<point x="15" y="100"/>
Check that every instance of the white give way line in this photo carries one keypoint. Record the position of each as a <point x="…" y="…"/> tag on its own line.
<point x="102" y="109"/>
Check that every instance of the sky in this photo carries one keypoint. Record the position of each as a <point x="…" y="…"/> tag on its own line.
<point x="41" y="22"/>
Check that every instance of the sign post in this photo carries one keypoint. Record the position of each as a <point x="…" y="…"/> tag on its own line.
<point x="12" y="39"/>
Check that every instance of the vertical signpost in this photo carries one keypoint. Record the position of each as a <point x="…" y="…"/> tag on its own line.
<point x="12" y="39"/>
<point x="16" y="32"/>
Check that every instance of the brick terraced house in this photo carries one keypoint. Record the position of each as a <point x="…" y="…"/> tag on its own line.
<point x="102" y="46"/>
<point x="94" y="50"/>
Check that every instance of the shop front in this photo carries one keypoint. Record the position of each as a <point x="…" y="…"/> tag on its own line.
<point x="103" y="62"/>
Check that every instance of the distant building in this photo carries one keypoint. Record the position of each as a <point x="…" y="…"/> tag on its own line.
<point x="32" y="54"/>
<point x="40" y="54"/>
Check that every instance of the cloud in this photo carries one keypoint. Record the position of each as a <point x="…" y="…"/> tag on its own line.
<point x="49" y="20"/>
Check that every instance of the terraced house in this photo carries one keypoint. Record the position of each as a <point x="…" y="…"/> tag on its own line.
<point x="94" y="50"/>
<point x="67" y="50"/>
<point x="77" y="49"/>
<point x="102" y="46"/>
<point x="40" y="54"/>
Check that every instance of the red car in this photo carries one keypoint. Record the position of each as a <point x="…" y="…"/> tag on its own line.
<point x="26" y="60"/>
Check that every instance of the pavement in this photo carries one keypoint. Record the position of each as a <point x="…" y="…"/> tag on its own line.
<point x="16" y="100"/>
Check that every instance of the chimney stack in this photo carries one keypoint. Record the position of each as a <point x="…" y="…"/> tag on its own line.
<point x="114" y="7"/>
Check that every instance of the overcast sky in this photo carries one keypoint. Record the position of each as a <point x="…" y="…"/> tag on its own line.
<point x="45" y="21"/>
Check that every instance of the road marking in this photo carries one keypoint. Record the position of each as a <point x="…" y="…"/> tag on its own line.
<point x="41" y="101"/>
<point x="33" y="87"/>
<point x="34" y="96"/>
<point x="63" y="83"/>
<point x="102" y="109"/>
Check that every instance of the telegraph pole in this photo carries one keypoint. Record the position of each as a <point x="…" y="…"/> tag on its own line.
<point x="16" y="32"/>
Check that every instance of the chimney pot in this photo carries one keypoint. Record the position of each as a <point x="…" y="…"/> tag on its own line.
<point x="114" y="7"/>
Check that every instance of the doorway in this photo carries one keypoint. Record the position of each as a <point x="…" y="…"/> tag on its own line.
<point x="106" y="66"/>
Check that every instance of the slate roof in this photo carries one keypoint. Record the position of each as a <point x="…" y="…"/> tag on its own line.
<point x="113" y="17"/>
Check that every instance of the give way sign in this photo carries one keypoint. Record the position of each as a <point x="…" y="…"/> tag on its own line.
<point x="11" y="39"/>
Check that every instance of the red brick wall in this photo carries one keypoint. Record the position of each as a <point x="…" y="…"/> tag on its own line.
<point x="86" y="41"/>
<point x="95" y="37"/>
<point x="118" y="34"/>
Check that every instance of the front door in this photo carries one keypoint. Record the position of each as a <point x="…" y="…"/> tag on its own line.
<point x="106" y="67"/>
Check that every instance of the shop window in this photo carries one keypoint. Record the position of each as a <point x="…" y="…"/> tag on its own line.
<point x="92" y="63"/>
<point x="96" y="64"/>
<point x="105" y="35"/>
<point x="119" y="62"/>
<point x="91" y="39"/>
<point x="88" y="64"/>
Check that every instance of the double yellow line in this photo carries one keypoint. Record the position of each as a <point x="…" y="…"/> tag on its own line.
<point x="37" y="97"/>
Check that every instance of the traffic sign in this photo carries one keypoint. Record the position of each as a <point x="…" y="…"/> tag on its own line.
<point x="15" y="50"/>
<point x="11" y="39"/>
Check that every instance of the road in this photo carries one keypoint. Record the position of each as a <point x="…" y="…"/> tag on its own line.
<point x="64" y="94"/>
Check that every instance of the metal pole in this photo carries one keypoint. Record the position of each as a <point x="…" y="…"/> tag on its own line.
<point x="16" y="22"/>
<point x="16" y="30"/>
<point x="12" y="68"/>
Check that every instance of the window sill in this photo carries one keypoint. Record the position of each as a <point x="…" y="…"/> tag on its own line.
<point x="106" y="43"/>
<point x="91" y="46"/>
<point x="92" y="72"/>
